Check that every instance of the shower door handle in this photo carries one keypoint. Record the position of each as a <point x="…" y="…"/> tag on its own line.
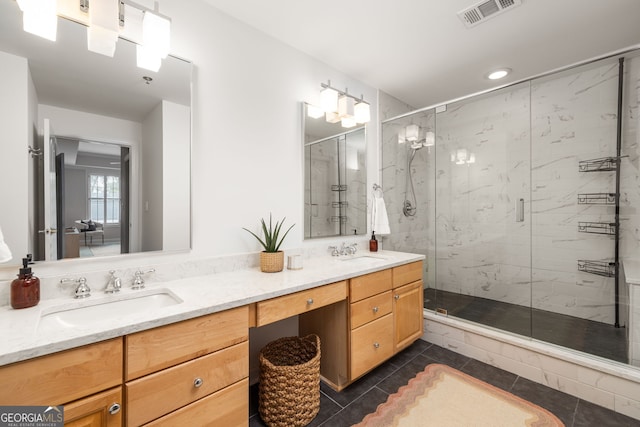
<point x="520" y="210"/>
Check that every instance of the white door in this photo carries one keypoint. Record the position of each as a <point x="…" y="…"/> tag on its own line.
<point x="49" y="160"/>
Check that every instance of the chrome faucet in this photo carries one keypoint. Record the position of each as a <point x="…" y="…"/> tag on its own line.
<point x="138" y="281"/>
<point x="82" y="290"/>
<point x="348" y="249"/>
<point x="334" y="251"/>
<point x="114" y="284"/>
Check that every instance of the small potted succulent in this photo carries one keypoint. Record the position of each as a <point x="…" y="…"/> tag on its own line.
<point x="272" y="258"/>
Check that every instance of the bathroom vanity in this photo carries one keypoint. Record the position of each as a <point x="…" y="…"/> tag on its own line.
<point x="189" y="363"/>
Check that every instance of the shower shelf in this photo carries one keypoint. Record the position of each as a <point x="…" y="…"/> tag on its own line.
<point x="601" y="268"/>
<point x="339" y="218"/>
<point x="339" y="187"/>
<point x="608" y="228"/>
<point x="597" y="199"/>
<point x="598" y="165"/>
<point x="339" y="204"/>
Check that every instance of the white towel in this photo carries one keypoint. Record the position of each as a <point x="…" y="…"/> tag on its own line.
<point x="5" y="253"/>
<point x="379" y="218"/>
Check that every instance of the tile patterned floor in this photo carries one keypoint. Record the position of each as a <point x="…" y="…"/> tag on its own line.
<point x="363" y="397"/>
<point x="591" y="337"/>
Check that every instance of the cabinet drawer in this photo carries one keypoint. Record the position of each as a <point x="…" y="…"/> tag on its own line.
<point x="62" y="377"/>
<point x="228" y="407"/>
<point x="159" y="348"/>
<point x="282" y="307"/>
<point x="407" y="273"/>
<point x="157" y="394"/>
<point x="371" y="344"/>
<point x="362" y="287"/>
<point x="369" y="309"/>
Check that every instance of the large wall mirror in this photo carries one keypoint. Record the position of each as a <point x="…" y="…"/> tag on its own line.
<point x="335" y="200"/>
<point x="109" y="169"/>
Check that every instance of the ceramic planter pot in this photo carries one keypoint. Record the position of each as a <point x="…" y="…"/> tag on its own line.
<point x="271" y="262"/>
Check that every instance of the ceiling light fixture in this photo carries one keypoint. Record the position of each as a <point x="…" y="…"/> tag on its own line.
<point x="499" y="74"/>
<point x="340" y="106"/>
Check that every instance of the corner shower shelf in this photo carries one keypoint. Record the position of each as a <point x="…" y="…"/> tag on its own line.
<point x="597" y="199"/>
<point x="608" y="228"/>
<point x="598" y="165"/>
<point x="601" y="268"/>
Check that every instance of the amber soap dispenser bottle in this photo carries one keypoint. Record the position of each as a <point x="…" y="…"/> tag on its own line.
<point x="25" y="290"/>
<point x="373" y="243"/>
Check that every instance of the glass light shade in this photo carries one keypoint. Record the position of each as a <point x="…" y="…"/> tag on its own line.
<point x="412" y="132"/>
<point x="472" y="158"/>
<point x="402" y="136"/>
<point x="102" y="32"/>
<point x="348" y="122"/>
<point x="329" y="100"/>
<point x="39" y="18"/>
<point x="314" y="111"/>
<point x="147" y="59"/>
<point x="332" y="117"/>
<point x="346" y="107"/>
<point x="132" y="30"/>
<point x="429" y="139"/>
<point x="362" y="112"/>
<point x="156" y="34"/>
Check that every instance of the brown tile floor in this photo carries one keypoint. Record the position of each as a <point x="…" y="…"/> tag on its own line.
<point x="349" y="406"/>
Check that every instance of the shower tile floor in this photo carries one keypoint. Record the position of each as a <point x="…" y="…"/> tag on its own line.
<point x="591" y="337"/>
<point x="350" y="406"/>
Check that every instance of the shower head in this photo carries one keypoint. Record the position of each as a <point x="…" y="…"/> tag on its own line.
<point x="416" y="145"/>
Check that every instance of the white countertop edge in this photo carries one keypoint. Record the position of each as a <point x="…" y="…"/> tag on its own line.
<point x="201" y="296"/>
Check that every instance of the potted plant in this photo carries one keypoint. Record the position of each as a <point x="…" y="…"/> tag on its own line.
<point x="272" y="258"/>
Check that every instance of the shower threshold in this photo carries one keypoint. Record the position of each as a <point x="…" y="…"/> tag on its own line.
<point x="584" y="335"/>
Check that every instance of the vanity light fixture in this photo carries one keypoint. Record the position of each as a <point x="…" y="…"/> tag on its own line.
<point x="499" y="74"/>
<point x="106" y="20"/>
<point x="412" y="132"/>
<point x="39" y="17"/>
<point x="340" y="106"/>
<point x="314" y="111"/>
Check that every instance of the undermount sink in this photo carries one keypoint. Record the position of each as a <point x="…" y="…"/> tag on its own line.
<point x="363" y="258"/>
<point x="100" y="310"/>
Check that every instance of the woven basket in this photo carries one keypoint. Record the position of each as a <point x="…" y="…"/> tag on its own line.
<point x="271" y="262"/>
<point x="289" y="389"/>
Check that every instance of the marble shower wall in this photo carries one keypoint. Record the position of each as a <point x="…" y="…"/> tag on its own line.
<point x="410" y="233"/>
<point x="527" y="141"/>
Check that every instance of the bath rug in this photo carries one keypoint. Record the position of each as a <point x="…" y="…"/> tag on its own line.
<point x="445" y="397"/>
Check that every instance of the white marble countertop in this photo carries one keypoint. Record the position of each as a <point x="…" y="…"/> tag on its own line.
<point x="24" y="336"/>
<point x="631" y="271"/>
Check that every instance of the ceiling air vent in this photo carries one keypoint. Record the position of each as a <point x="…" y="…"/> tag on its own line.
<point x="484" y="10"/>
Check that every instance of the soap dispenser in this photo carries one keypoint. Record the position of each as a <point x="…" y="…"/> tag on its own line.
<point x="373" y="243"/>
<point x="25" y="290"/>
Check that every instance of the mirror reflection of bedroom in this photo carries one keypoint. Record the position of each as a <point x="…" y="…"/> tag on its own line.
<point x="95" y="185"/>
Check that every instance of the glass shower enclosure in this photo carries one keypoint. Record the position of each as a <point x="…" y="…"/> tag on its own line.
<point x="526" y="203"/>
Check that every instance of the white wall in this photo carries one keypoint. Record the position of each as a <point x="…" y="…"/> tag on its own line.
<point x="247" y="127"/>
<point x="14" y="157"/>
<point x="176" y="123"/>
<point x="151" y="181"/>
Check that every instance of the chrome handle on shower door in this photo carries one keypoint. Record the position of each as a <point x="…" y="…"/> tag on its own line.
<point x="520" y="210"/>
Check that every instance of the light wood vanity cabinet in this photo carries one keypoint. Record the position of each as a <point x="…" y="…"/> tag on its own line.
<point x="195" y="369"/>
<point x="86" y="380"/>
<point x="383" y="315"/>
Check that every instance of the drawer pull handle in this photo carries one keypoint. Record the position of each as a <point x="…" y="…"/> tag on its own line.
<point x="114" y="409"/>
<point x="198" y="382"/>
<point x="396" y="296"/>
<point x="310" y="301"/>
<point x="375" y="309"/>
<point x="376" y="345"/>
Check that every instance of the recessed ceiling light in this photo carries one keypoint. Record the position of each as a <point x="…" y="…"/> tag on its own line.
<point x="498" y="74"/>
